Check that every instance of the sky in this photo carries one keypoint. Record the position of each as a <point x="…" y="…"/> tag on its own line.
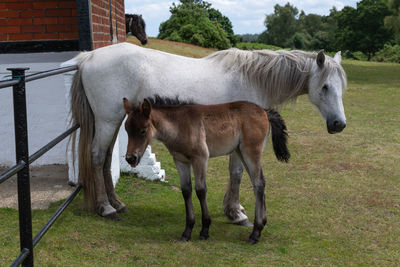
<point x="247" y="16"/>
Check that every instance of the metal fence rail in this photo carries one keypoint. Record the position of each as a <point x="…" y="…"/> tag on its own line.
<point x="23" y="160"/>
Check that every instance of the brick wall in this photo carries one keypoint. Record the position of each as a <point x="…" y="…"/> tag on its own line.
<point x="29" y="20"/>
<point x="100" y="11"/>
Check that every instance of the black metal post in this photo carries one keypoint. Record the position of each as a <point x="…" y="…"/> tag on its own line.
<point x="22" y="155"/>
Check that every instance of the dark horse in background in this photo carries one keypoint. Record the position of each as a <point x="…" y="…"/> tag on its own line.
<point x="136" y="26"/>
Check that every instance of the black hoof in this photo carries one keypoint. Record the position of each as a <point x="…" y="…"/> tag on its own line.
<point x="245" y="222"/>
<point x="185" y="239"/>
<point x="123" y="210"/>
<point x="113" y="216"/>
<point x="204" y="237"/>
<point x="253" y="241"/>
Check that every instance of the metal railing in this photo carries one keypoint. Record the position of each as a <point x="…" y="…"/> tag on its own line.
<point x="21" y="168"/>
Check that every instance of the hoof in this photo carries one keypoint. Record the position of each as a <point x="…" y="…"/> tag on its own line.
<point x="204" y="237"/>
<point x="253" y="241"/>
<point x="113" y="216"/>
<point x="123" y="210"/>
<point x="185" y="239"/>
<point x="245" y="222"/>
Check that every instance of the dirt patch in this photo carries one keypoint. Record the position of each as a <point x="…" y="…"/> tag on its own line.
<point x="49" y="184"/>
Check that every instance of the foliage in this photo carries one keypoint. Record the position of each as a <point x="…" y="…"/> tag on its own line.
<point x="388" y="54"/>
<point x="195" y="22"/>
<point x="256" y="46"/>
<point x="248" y="37"/>
<point x="363" y="28"/>
<point x="393" y="20"/>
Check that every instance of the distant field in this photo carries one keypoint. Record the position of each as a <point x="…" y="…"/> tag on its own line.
<point x="336" y="203"/>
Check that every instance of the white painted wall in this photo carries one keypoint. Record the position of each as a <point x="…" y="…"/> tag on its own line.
<point x="46" y="107"/>
<point x="48" y="117"/>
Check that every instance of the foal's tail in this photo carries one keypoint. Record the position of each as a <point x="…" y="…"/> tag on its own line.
<point x="279" y="135"/>
<point x="82" y="114"/>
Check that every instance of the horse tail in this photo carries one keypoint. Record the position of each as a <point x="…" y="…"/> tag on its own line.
<point x="82" y="114"/>
<point x="279" y="135"/>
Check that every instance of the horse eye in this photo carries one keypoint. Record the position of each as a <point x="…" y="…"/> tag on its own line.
<point x="325" y="88"/>
<point x="143" y="132"/>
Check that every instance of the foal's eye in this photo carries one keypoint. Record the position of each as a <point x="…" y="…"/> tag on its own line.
<point x="143" y="132"/>
<point x="325" y="88"/>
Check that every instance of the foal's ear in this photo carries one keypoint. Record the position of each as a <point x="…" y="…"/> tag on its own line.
<point x="127" y="105"/>
<point x="145" y="108"/>
<point x="320" y="58"/>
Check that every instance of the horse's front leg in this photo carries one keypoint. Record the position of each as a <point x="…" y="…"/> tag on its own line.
<point x="232" y="208"/>
<point x="112" y="195"/>
<point x="104" y="134"/>
<point x="200" y="170"/>
<point x="186" y="187"/>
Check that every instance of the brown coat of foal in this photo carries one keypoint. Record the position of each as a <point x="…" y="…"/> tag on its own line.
<point x="194" y="133"/>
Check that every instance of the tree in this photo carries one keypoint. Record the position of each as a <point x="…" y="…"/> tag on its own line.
<point x="363" y="29"/>
<point x="281" y="25"/>
<point x="392" y="21"/>
<point x="190" y="22"/>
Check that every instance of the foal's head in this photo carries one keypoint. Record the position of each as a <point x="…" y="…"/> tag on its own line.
<point x="136" y="25"/>
<point x="139" y="129"/>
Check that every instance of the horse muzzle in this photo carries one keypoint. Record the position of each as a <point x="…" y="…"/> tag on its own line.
<point x="335" y="126"/>
<point x="132" y="160"/>
<point x="144" y="41"/>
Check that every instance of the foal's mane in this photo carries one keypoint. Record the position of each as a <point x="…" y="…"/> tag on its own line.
<point x="167" y="102"/>
<point x="282" y="74"/>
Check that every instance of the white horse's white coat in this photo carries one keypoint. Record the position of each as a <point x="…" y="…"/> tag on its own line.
<point x="111" y="73"/>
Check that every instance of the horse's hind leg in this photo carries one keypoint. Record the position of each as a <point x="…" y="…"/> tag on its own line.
<point x="232" y="208"/>
<point x="186" y="187"/>
<point x="112" y="195"/>
<point x="104" y="134"/>
<point x="200" y="170"/>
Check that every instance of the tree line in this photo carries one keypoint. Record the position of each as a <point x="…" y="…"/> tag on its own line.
<point x="372" y="28"/>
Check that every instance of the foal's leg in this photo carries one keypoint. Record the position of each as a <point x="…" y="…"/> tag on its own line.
<point x="112" y="195"/>
<point x="252" y="164"/>
<point x="232" y="208"/>
<point x="104" y="133"/>
<point x="200" y="170"/>
<point x="186" y="186"/>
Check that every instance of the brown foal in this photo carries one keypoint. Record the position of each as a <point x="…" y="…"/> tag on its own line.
<point x="194" y="133"/>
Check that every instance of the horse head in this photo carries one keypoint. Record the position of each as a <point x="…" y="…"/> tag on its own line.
<point x="138" y="127"/>
<point x="136" y="25"/>
<point x="326" y="86"/>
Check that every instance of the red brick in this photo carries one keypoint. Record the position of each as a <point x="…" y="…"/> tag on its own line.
<point x="67" y="4"/>
<point x="41" y="5"/>
<point x="39" y="21"/>
<point x="68" y="20"/>
<point x="20" y="37"/>
<point x="2" y="6"/>
<point x="69" y="35"/>
<point x="16" y="1"/>
<point x="74" y="13"/>
<point x="33" y="29"/>
<point x="9" y="14"/>
<point x="22" y="6"/>
<point x="58" y="12"/>
<point x="19" y="22"/>
<point x="3" y="22"/>
<point x="10" y="29"/>
<point x="45" y="36"/>
<point x="58" y="28"/>
<point x="3" y="37"/>
<point x="32" y="13"/>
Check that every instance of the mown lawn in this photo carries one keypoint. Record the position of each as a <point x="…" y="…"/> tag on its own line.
<point x="336" y="203"/>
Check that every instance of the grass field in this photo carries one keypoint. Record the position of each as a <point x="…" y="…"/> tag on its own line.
<point x="337" y="203"/>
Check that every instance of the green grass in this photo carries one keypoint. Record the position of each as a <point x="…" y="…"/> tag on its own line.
<point x="337" y="203"/>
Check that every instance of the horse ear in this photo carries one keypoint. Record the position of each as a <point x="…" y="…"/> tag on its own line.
<point x="320" y="58"/>
<point x="127" y="105"/>
<point x="145" y="108"/>
<point x="338" y="57"/>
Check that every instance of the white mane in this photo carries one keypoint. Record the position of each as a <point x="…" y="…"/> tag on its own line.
<point x="283" y="74"/>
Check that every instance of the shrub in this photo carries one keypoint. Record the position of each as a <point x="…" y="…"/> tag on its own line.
<point x="256" y="46"/>
<point x="388" y="54"/>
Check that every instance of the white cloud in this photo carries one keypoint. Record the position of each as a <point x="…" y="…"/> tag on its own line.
<point x="247" y="16"/>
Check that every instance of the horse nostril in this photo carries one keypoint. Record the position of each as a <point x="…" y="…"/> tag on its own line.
<point x="131" y="159"/>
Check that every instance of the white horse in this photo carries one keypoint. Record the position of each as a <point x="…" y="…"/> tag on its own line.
<point x="107" y="75"/>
